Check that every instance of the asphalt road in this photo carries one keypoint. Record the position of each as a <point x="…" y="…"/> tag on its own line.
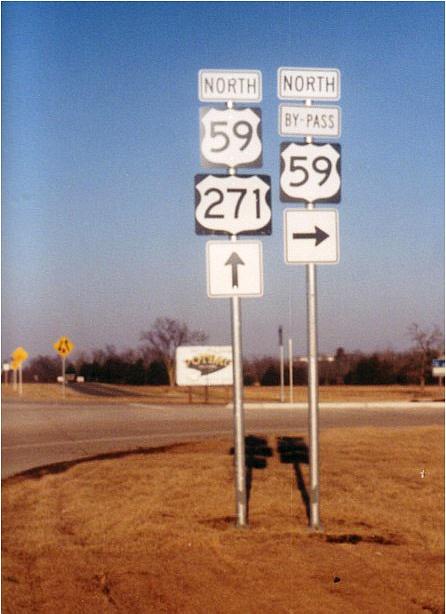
<point x="39" y="434"/>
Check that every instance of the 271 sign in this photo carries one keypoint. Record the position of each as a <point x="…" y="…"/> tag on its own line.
<point x="233" y="204"/>
<point x="310" y="172"/>
<point x="231" y="137"/>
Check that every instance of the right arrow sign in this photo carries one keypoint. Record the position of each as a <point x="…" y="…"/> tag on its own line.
<point x="311" y="236"/>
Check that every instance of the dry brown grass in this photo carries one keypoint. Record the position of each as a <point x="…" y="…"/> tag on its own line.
<point x="152" y="533"/>
<point x="115" y="393"/>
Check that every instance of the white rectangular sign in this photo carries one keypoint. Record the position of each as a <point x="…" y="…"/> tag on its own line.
<point x="204" y="365"/>
<point x="229" y="85"/>
<point x="311" y="236"/>
<point x="297" y="120"/>
<point x="234" y="268"/>
<point x="308" y="83"/>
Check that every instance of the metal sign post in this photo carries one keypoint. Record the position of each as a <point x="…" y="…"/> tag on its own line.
<point x="239" y="418"/>
<point x="63" y="376"/>
<point x="282" y="378"/>
<point x="310" y="174"/>
<point x="231" y="205"/>
<point x="313" y="394"/>
<point x="290" y="368"/>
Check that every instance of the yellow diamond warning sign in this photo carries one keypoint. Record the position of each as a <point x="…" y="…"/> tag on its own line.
<point x="19" y="355"/>
<point x="63" y="346"/>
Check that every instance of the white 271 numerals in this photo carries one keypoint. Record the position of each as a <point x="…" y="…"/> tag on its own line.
<point x="233" y="204"/>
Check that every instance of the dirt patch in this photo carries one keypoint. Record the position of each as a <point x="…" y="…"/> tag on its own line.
<point x="149" y="533"/>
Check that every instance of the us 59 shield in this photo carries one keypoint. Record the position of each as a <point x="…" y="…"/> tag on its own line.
<point x="310" y="173"/>
<point x="231" y="137"/>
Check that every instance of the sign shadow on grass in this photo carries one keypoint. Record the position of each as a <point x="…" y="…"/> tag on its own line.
<point x="256" y="453"/>
<point x="294" y="451"/>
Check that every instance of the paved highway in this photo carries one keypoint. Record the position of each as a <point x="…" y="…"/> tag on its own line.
<point x="37" y="434"/>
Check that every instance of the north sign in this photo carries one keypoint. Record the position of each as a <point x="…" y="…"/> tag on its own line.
<point x="301" y="120"/>
<point x="311" y="236"/>
<point x="229" y="85"/>
<point x="308" y="83"/>
<point x="231" y="137"/>
<point x="310" y="172"/>
<point x="233" y="204"/>
<point x="234" y="269"/>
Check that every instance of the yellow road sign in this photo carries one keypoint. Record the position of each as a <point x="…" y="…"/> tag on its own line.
<point x="15" y="365"/>
<point x="63" y="346"/>
<point x="19" y="355"/>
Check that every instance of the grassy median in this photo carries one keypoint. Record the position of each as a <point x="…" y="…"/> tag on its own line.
<point x="154" y="531"/>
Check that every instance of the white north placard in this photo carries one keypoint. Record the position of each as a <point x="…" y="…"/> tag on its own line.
<point x="229" y="85"/>
<point x="231" y="137"/>
<point x="198" y="365"/>
<point x="311" y="236"/>
<point x="234" y="268"/>
<point x="308" y="83"/>
<point x="301" y="120"/>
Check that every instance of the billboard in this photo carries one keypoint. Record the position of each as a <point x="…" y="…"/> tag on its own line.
<point x="200" y="365"/>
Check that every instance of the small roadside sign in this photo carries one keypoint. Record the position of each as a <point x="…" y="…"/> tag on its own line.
<point x="63" y="346"/>
<point x="308" y="83"/>
<point x="301" y="120"/>
<point x="231" y="137"/>
<point x="19" y="355"/>
<point x="233" y="204"/>
<point x="438" y="369"/>
<point x="204" y="365"/>
<point x="310" y="172"/>
<point x="234" y="269"/>
<point x="229" y="85"/>
<point x="311" y="236"/>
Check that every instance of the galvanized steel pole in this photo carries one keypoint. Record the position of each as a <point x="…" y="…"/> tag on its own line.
<point x="239" y="422"/>
<point x="313" y="395"/>
<point x="313" y="384"/>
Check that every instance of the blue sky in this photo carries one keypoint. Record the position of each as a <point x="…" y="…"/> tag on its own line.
<point x="100" y="145"/>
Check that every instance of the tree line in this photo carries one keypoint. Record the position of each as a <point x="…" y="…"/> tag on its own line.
<point x="154" y="362"/>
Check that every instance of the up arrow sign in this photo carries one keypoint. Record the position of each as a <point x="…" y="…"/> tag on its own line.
<point x="318" y="234"/>
<point x="234" y="260"/>
<point x="245" y="275"/>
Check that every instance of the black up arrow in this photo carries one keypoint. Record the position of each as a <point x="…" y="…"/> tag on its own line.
<point x="318" y="234"/>
<point x="234" y="260"/>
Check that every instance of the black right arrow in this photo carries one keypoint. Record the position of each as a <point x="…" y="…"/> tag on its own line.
<point x="319" y="235"/>
<point x="234" y="260"/>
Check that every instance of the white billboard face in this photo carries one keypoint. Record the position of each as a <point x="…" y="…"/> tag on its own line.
<point x="204" y="365"/>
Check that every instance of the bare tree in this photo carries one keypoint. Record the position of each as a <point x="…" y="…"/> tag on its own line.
<point x="163" y="339"/>
<point x="426" y="345"/>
